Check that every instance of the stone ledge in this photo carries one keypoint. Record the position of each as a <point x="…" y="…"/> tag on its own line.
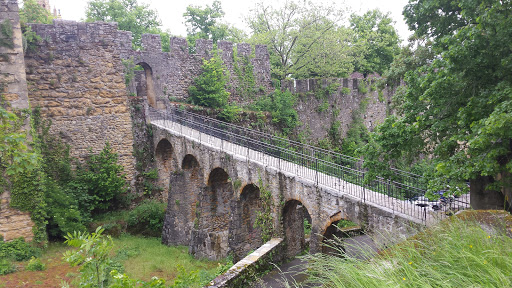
<point x="244" y="270"/>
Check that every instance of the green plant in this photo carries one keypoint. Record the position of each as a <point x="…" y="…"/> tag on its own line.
<point x="345" y="90"/>
<point x="264" y="219"/>
<point x="129" y="70"/>
<point x="307" y="227"/>
<point x="362" y="87"/>
<point x="323" y="107"/>
<point x="6" y="266"/>
<point x="147" y="218"/>
<point x="345" y="223"/>
<point x="18" y="250"/>
<point x="230" y="113"/>
<point x="381" y="96"/>
<point x="92" y="256"/>
<point x="456" y="253"/>
<point x="281" y="105"/>
<point x="103" y="179"/>
<point x="35" y="264"/>
<point x="209" y="87"/>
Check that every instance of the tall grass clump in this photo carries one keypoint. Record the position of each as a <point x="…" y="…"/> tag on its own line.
<point x="454" y="253"/>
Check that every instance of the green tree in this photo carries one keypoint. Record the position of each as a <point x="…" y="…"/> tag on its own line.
<point x="458" y="107"/>
<point x="295" y="36"/>
<point x="376" y="41"/>
<point x="129" y="15"/>
<point x="209" y="87"/>
<point x="203" y="23"/>
<point x="103" y="179"/>
<point x="31" y="12"/>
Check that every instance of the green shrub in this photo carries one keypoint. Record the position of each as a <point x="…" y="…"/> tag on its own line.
<point x="35" y="264"/>
<point x="147" y="218"/>
<point x="209" y="87"/>
<point x="18" y="250"/>
<point x="6" y="266"/>
<point x="103" y="179"/>
<point x="281" y="106"/>
<point x="230" y="113"/>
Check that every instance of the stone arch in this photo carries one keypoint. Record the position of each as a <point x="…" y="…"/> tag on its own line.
<point x="189" y="162"/>
<point x="329" y="243"/>
<point x="164" y="156"/>
<point x="244" y="236"/>
<point x="150" y="88"/>
<point x="183" y="203"/>
<point x="211" y="230"/>
<point x="294" y="216"/>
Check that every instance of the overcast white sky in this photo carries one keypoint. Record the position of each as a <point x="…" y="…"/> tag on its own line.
<point x="171" y="11"/>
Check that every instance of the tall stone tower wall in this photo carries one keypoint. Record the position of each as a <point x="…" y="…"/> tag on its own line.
<point x="13" y="89"/>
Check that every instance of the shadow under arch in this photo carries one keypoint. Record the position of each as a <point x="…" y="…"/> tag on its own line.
<point x="150" y="88"/>
<point x="296" y="218"/>
<point x="244" y="235"/>
<point x="210" y="236"/>
<point x="183" y="206"/>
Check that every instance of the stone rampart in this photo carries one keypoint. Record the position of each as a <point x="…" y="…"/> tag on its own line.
<point x="173" y="72"/>
<point x="75" y="75"/>
<point x="13" y="90"/>
<point x="317" y="108"/>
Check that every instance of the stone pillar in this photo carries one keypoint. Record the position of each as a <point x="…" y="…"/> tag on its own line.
<point x="13" y="88"/>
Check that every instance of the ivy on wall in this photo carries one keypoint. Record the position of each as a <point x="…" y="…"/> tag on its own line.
<point x="264" y="219"/>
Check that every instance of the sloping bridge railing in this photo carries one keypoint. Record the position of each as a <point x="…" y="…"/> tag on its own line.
<point x="343" y="173"/>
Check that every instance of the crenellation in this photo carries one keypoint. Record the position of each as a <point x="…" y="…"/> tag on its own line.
<point x="204" y="47"/>
<point x="151" y="43"/>
<point x="244" y="49"/>
<point x="179" y="47"/>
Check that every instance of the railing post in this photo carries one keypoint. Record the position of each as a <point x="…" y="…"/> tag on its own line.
<point x="316" y="170"/>
<point x="364" y="190"/>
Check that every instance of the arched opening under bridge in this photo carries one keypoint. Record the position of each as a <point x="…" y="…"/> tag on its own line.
<point x="297" y="227"/>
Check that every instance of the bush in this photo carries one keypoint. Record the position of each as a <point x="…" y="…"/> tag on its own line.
<point x="103" y="178"/>
<point x="147" y="218"/>
<point x="18" y="250"/>
<point x="6" y="266"/>
<point x="35" y="264"/>
<point x="230" y="113"/>
<point x="209" y="88"/>
<point x="281" y="106"/>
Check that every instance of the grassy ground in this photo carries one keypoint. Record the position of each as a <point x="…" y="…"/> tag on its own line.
<point x="141" y="257"/>
<point x="56" y="271"/>
<point x="474" y="250"/>
<point x="144" y="258"/>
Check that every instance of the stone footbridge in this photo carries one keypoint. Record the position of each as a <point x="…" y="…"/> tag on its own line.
<point x="221" y="180"/>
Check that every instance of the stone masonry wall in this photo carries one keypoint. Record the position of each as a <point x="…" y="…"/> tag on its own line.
<point x="13" y="90"/>
<point x="76" y="77"/>
<point x="173" y="72"/>
<point x="316" y="120"/>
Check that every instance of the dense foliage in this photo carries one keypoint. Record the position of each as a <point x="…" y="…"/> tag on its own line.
<point x="18" y="250"/>
<point x="147" y="218"/>
<point x="209" y="87"/>
<point x="376" y="40"/>
<point x="281" y="105"/>
<point x="457" y="105"/>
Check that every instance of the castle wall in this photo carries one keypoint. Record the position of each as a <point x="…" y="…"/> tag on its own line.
<point x="317" y="111"/>
<point x="76" y="76"/>
<point x="13" y="90"/>
<point x="173" y="72"/>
